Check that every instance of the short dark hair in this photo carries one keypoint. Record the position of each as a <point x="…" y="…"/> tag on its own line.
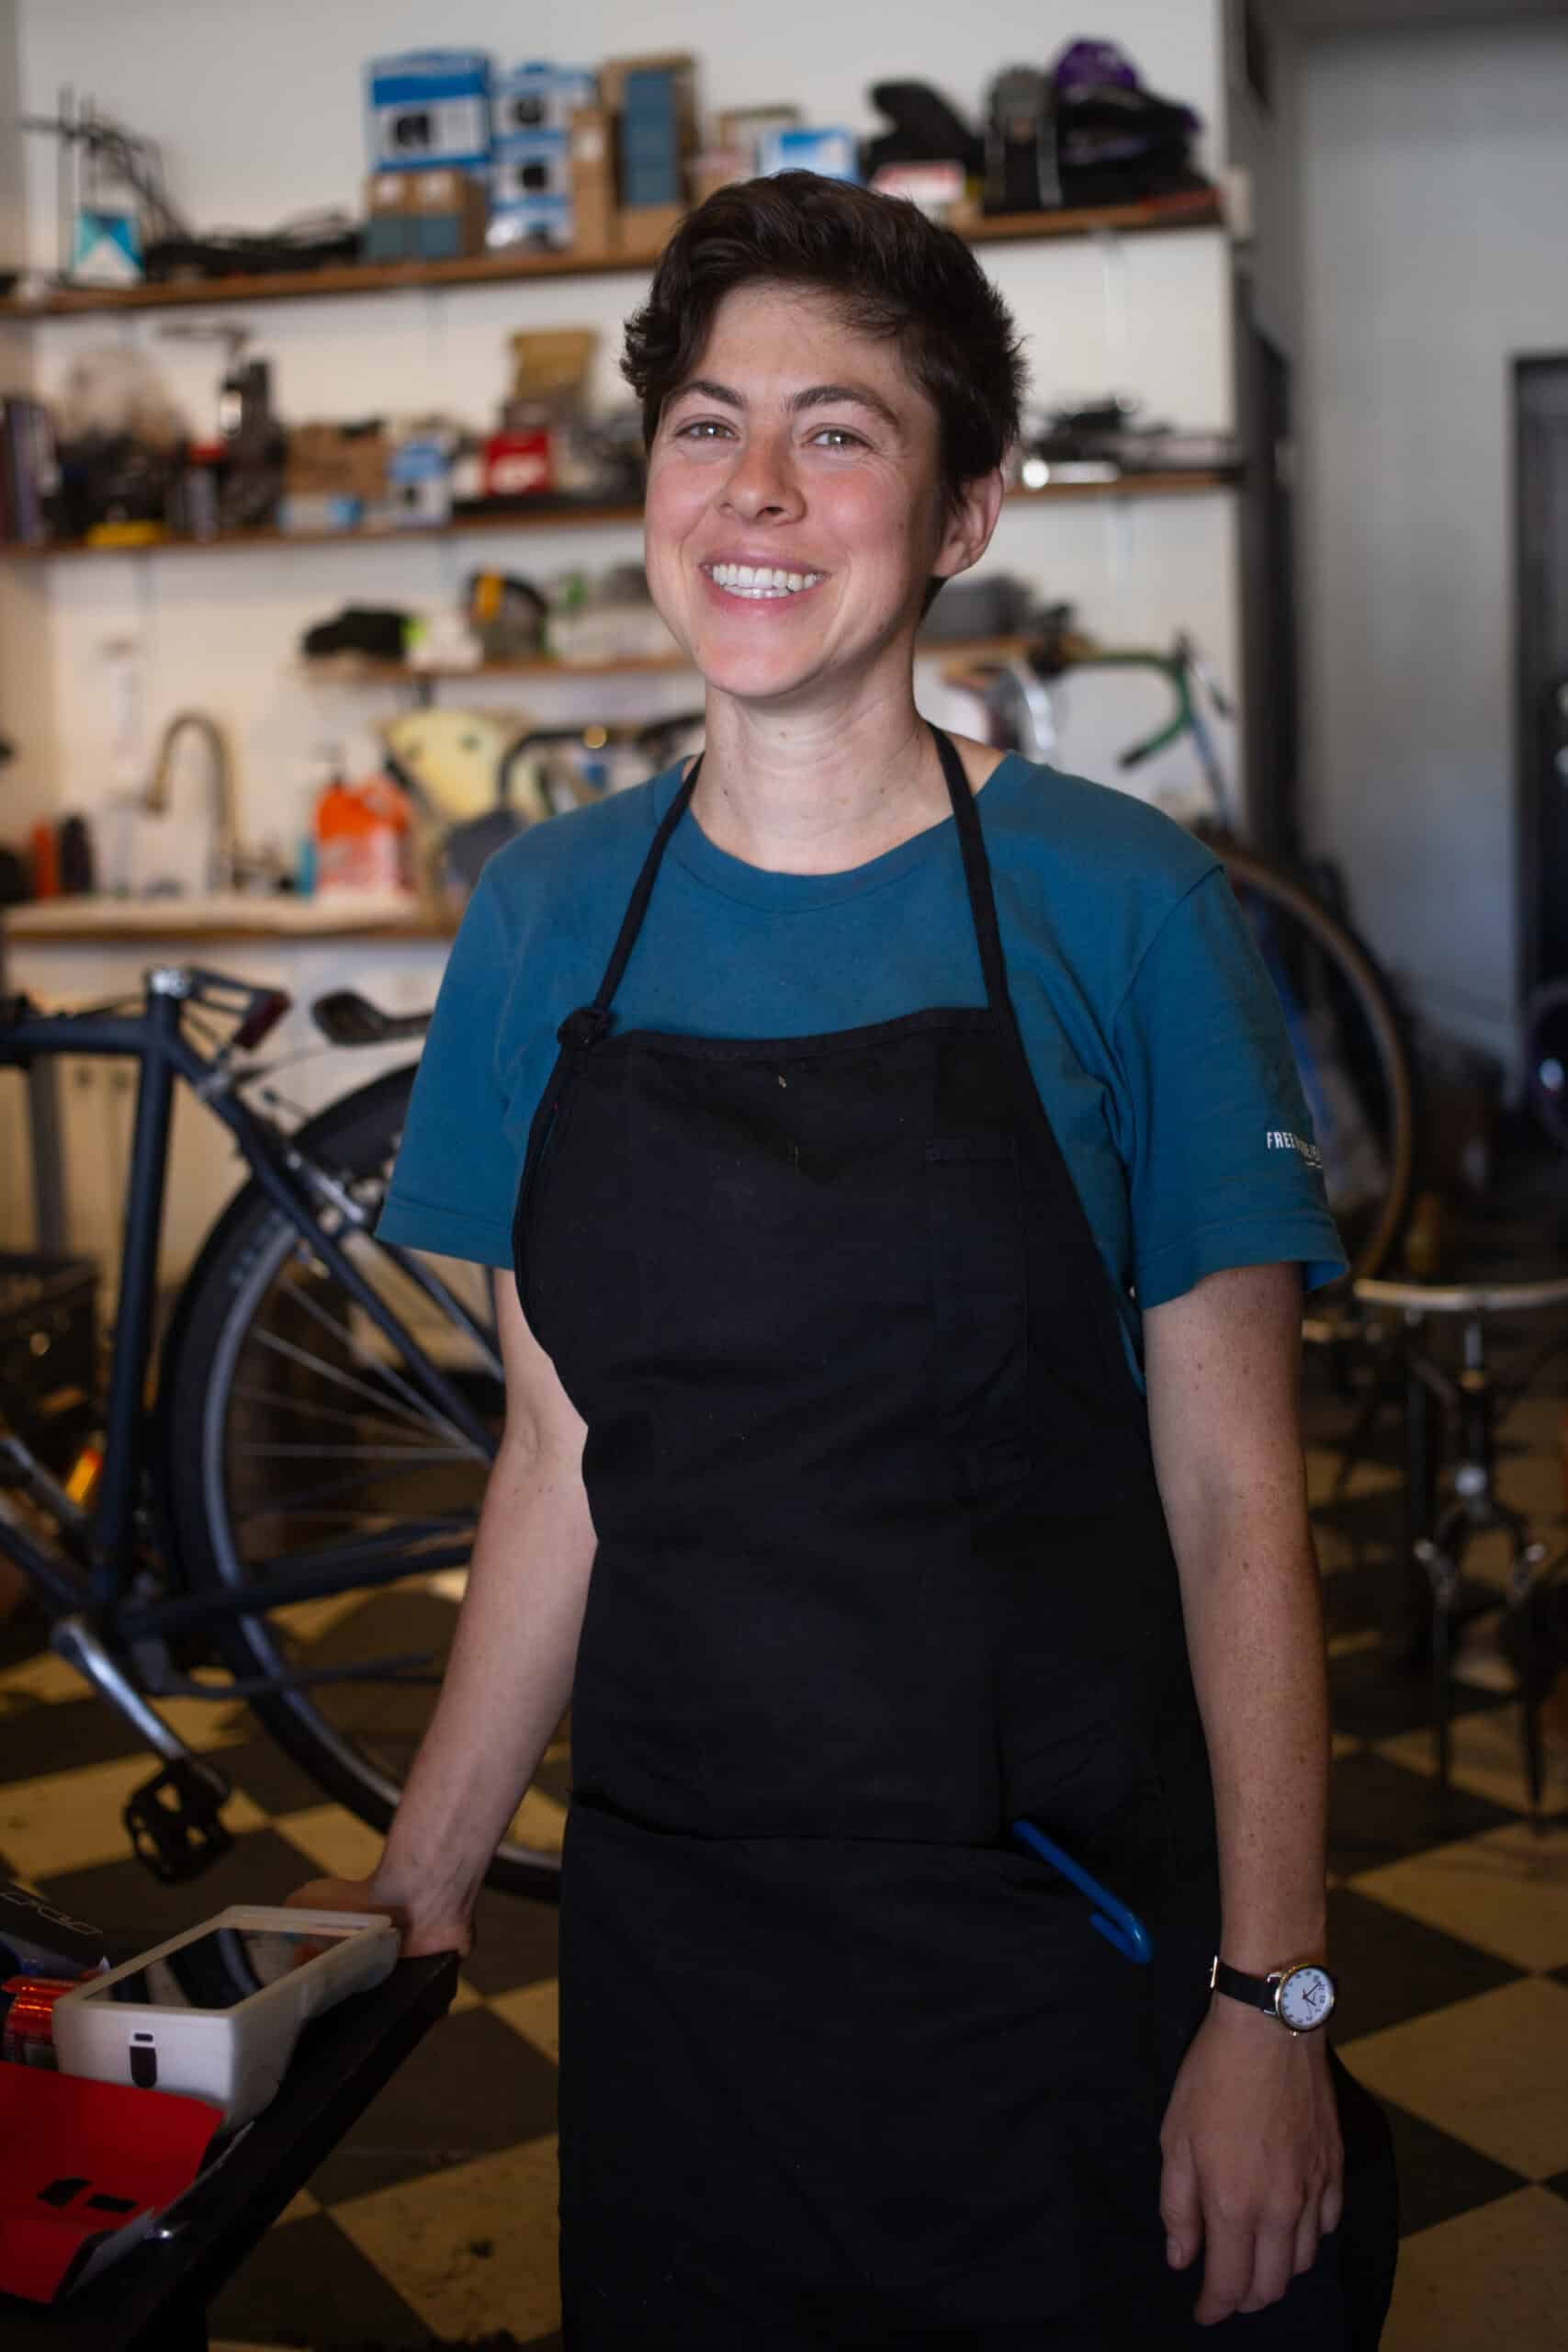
<point x="887" y="269"/>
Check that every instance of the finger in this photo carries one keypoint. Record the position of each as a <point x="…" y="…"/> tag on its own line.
<point x="1180" y="2208"/>
<point x="1308" y="2230"/>
<point x="1227" y="2269"/>
<point x="1273" y="2260"/>
<point x="1333" y="2205"/>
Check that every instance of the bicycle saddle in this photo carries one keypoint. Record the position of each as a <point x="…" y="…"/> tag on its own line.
<point x="346" y="1018"/>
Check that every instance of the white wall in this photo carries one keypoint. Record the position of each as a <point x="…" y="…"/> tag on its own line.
<point x="258" y="114"/>
<point x="1436" y="191"/>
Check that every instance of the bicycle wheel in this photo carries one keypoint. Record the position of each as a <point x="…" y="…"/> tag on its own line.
<point x="1349" y="1046"/>
<point x="295" y="1437"/>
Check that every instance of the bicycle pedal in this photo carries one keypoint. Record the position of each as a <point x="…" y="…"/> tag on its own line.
<point x="174" y="1820"/>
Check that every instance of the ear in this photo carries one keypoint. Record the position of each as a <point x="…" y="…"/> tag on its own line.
<point x="968" y="528"/>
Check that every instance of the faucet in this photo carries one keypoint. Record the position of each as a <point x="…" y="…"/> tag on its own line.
<point x="223" y="861"/>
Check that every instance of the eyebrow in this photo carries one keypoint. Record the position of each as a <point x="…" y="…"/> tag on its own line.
<point x="811" y="396"/>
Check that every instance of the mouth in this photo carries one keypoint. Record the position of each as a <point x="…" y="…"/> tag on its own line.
<point x="762" y="583"/>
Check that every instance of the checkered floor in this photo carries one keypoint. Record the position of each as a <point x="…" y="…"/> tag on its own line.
<point x="432" y="2222"/>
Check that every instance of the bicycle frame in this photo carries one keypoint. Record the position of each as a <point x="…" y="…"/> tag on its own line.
<point x="95" y="1580"/>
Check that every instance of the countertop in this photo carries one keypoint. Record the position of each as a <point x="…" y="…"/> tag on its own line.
<point x="282" y="916"/>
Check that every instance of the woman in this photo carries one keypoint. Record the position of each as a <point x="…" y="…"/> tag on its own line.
<point x="831" y="1103"/>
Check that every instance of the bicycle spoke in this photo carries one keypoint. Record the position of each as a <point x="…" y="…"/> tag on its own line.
<point x="300" y="1297"/>
<point x="340" y="1378"/>
<point x="275" y="1400"/>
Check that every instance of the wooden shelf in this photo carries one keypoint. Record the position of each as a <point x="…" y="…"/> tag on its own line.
<point x="1202" y="209"/>
<point x="351" y="670"/>
<point x="566" y="518"/>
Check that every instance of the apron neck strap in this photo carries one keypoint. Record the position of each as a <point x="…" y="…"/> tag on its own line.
<point x="976" y="876"/>
<point x="590" y="1024"/>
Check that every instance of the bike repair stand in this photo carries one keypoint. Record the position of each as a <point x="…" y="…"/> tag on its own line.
<point x="1471" y="1400"/>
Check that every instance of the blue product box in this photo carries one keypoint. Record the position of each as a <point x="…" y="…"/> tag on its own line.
<point x="533" y="221"/>
<point x="530" y="164"/>
<point x="830" y="152"/>
<point x="539" y="96"/>
<point x="429" y="105"/>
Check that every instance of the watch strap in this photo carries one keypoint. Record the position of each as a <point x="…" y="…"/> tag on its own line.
<point x="1257" y="1992"/>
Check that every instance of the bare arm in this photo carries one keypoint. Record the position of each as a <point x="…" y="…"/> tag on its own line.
<point x="508" y="1675"/>
<point x="1251" y="2144"/>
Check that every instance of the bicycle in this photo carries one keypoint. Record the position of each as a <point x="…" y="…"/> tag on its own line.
<point x="1343" y="1022"/>
<point x="301" y="1496"/>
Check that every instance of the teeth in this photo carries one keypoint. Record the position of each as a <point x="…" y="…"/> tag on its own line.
<point x="761" y="579"/>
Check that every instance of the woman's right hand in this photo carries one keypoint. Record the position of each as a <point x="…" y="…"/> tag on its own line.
<point x="417" y="1939"/>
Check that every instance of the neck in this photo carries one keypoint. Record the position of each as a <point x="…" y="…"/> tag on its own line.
<point x="818" y="791"/>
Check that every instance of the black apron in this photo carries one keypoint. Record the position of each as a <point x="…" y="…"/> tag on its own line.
<point x="882" y="1567"/>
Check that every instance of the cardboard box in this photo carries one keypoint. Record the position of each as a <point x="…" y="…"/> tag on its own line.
<point x="654" y="102"/>
<point x="329" y="461"/>
<point x="591" y="171"/>
<point x="716" y="167"/>
<point x="642" y="230"/>
<point x="439" y="215"/>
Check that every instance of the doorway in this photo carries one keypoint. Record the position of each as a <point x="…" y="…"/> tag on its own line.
<point x="1540" y="528"/>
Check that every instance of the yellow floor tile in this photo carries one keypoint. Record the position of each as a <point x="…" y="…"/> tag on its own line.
<point x="1487" y="1760"/>
<point x="533" y="2011"/>
<point x="338" y="1842"/>
<point x="45" y="1678"/>
<point x="71" y="1821"/>
<point x="300" y="2208"/>
<point x="1492" y="2072"/>
<point x="422" y="2234"/>
<point x="1505" y="1890"/>
<point x="466" y="1998"/>
<point x="1492" y="2278"/>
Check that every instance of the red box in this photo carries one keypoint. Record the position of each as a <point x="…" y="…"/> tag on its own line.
<point x="517" y="464"/>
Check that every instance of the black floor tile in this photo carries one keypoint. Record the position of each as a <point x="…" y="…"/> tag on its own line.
<point x="130" y="1907"/>
<point x="1438" y="2176"/>
<point x="1558" y="2184"/>
<point x="1355" y="1597"/>
<point x="1391" y="1967"/>
<point x="41" y="1736"/>
<point x="516" y="1942"/>
<point x="1372" y="1694"/>
<point x="1378" y="1812"/>
<point x="268" y="1777"/>
<point x="472" y="2087"/>
<point x="307" y="2285"/>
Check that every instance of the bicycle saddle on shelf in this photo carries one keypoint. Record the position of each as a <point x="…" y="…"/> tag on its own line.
<point x="346" y="1018"/>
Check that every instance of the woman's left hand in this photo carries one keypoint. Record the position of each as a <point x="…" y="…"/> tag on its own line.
<point x="1253" y="2161"/>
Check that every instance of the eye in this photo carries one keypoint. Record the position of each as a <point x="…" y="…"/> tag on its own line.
<point x="702" y="428"/>
<point x="839" y="436"/>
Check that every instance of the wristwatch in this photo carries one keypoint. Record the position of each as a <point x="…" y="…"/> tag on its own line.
<point x="1301" y="1997"/>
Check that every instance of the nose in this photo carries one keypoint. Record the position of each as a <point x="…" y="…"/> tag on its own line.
<point x="762" y="484"/>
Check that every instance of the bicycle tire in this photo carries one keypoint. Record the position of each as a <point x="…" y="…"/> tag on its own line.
<point x="252" y="1265"/>
<point x="1367" y="1044"/>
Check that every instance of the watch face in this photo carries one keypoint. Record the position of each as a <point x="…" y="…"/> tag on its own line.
<point x="1306" y="1997"/>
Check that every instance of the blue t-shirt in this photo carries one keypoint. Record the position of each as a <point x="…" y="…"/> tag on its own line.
<point x="1152" y="1031"/>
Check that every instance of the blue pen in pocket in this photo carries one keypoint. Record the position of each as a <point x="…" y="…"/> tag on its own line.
<point x="1115" y="1922"/>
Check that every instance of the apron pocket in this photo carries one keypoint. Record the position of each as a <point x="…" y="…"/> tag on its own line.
<point x="980" y="1306"/>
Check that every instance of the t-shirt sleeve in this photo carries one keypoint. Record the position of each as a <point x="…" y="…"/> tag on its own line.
<point x="1223" y="1168"/>
<point x="455" y="1183"/>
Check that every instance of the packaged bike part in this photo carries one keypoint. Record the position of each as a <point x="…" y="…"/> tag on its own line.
<point x="215" y="2013"/>
<point x="86" y="2170"/>
<point x="37" y="1940"/>
<point x="26" y="2014"/>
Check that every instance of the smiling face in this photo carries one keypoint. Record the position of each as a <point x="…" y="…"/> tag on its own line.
<point x="795" y="510"/>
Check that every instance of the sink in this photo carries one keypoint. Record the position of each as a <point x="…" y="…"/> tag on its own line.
<point x="218" y="910"/>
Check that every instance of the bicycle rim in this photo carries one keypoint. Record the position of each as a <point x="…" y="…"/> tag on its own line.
<point x="317" y="1445"/>
<point x="1345" y="1032"/>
